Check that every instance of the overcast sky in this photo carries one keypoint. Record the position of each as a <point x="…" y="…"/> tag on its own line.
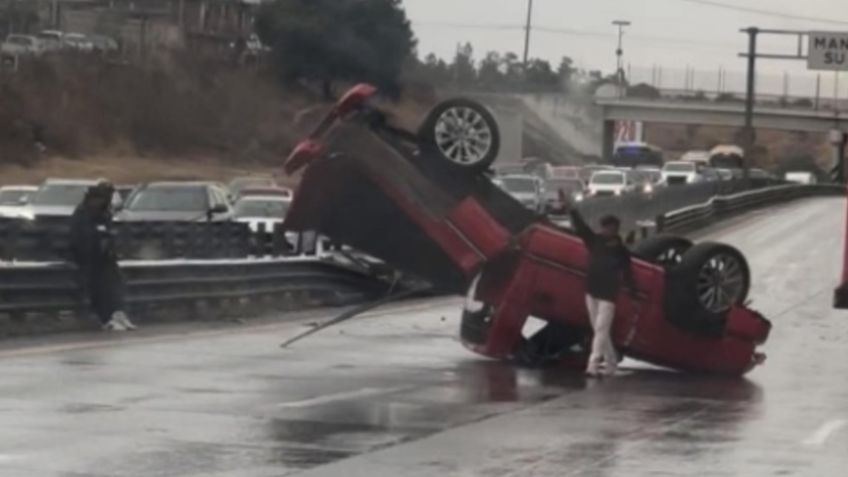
<point x="671" y="33"/>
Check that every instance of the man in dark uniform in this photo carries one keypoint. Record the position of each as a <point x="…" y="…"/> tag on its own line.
<point x="609" y="264"/>
<point x="93" y="251"/>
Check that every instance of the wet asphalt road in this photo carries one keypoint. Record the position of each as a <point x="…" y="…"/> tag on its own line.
<point x="394" y="394"/>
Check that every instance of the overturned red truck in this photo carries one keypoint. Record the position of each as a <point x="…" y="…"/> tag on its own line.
<point x="422" y="202"/>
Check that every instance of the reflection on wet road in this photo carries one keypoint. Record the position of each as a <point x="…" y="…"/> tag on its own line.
<point x="394" y="394"/>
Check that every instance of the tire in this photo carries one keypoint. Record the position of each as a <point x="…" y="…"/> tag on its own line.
<point x="665" y="250"/>
<point x="711" y="278"/>
<point x="462" y="133"/>
<point x="550" y="345"/>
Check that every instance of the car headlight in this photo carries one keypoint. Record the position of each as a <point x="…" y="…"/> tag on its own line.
<point x="617" y="192"/>
<point x="579" y="197"/>
<point x="648" y="189"/>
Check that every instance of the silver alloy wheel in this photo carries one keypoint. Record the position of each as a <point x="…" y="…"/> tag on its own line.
<point x="721" y="282"/>
<point x="463" y="136"/>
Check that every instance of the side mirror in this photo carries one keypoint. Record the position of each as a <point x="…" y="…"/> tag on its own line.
<point x="218" y="209"/>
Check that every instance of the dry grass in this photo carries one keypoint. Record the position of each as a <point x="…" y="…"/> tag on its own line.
<point x="178" y="108"/>
<point x="131" y="170"/>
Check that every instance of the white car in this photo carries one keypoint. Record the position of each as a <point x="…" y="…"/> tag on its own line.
<point x="79" y="42"/>
<point x="801" y="177"/>
<point x="51" y="40"/>
<point x="59" y="197"/>
<point x="701" y="157"/>
<point x="527" y="189"/>
<point x="264" y="212"/>
<point x="21" y="45"/>
<point x="14" y="200"/>
<point x="683" y="172"/>
<point x="610" y="183"/>
<point x="254" y="210"/>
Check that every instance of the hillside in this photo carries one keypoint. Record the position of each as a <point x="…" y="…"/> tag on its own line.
<point x="175" y="117"/>
<point x="73" y="111"/>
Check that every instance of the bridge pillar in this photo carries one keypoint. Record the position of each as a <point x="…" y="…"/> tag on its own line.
<point x="837" y="143"/>
<point x="608" y="140"/>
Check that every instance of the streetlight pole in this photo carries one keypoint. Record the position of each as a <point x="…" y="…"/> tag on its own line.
<point x="527" y="28"/>
<point x="619" y="54"/>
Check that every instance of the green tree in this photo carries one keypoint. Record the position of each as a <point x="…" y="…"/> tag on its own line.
<point x="433" y="70"/>
<point x="490" y="75"/>
<point x="541" y="77"/>
<point x="462" y="68"/>
<point x="331" y="40"/>
<point x="513" y="69"/>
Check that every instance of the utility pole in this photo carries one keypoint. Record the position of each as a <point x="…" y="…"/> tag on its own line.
<point x="527" y="28"/>
<point x="748" y="134"/>
<point x="619" y="54"/>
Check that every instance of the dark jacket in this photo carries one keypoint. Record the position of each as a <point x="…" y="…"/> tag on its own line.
<point x="91" y="237"/>
<point x="609" y="262"/>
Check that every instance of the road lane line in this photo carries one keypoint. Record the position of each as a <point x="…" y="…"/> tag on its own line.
<point x="824" y="432"/>
<point x="344" y="396"/>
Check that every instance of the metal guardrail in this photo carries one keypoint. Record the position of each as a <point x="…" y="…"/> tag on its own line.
<point x="54" y="287"/>
<point x="27" y="287"/>
<point x="639" y="211"/>
<point x="693" y="216"/>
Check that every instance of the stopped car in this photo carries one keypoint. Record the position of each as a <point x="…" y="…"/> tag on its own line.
<point x="14" y="200"/>
<point x="526" y="189"/>
<point x="21" y="45"/>
<point x="284" y="192"/>
<point x="561" y="172"/>
<point x="800" y="177"/>
<point x="177" y="201"/>
<point x="589" y="169"/>
<point x="573" y="190"/>
<point x="59" y="197"/>
<point x="125" y="191"/>
<point x="78" y="42"/>
<point x="471" y="238"/>
<point x="610" y="183"/>
<point x="261" y="211"/>
<point x="687" y="172"/>
<point x="250" y="182"/>
<point x="104" y="45"/>
<point x="52" y="40"/>
<point x="634" y="154"/>
<point x="646" y="180"/>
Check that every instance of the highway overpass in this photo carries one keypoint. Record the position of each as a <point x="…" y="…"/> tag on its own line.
<point x="712" y="114"/>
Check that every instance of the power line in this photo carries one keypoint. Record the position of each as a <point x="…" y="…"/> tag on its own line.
<point x="664" y="41"/>
<point x="768" y="13"/>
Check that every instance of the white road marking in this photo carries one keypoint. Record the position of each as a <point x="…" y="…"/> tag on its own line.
<point x="824" y="432"/>
<point x="364" y="392"/>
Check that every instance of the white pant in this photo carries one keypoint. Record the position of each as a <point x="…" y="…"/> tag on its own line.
<point x="601" y="315"/>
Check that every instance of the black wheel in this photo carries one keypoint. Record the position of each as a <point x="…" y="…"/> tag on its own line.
<point x="665" y="250"/>
<point x="717" y="275"/>
<point x="549" y="345"/>
<point x="462" y="132"/>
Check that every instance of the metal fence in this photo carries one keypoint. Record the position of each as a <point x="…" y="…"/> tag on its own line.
<point x="291" y="282"/>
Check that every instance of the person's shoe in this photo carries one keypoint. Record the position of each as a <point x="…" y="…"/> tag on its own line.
<point x="124" y="320"/>
<point x="114" y="325"/>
